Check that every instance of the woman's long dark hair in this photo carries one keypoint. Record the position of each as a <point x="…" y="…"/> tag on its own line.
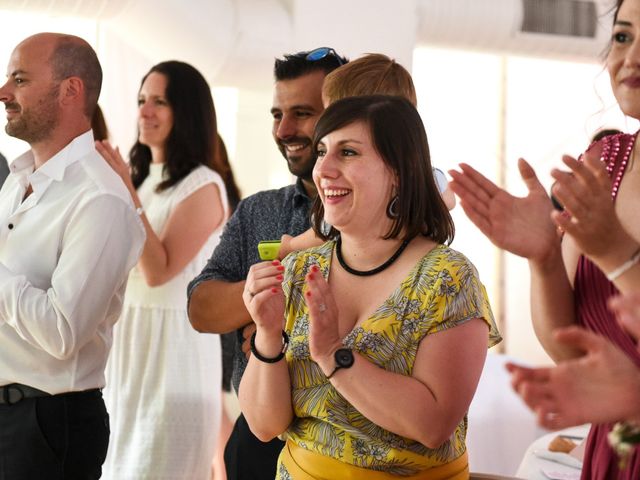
<point x="193" y="137"/>
<point x="233" y="192"/>
<point x="616" y="9"/>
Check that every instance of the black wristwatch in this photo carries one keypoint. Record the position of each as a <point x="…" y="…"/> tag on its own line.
<point x="344" y="359"/>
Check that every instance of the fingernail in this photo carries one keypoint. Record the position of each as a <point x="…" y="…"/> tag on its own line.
<point x="279" y="277"/>
<point x="280" y="268"/>
<point x="314" y="268"/>
<point x="308" y="294"/>
<point x="275" y="262"/>
<point x="274" y="290"/>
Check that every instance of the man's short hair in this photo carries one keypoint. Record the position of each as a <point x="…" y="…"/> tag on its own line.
<point x="296" y="65"/>
<point x="74" y="57"/>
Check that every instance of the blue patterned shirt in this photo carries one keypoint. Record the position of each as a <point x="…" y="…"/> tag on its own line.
<point x="266" y="215"/>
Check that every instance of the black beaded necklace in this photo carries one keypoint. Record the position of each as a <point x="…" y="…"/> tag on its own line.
<point x="366" y="273"/>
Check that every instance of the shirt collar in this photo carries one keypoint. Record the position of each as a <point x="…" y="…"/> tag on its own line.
<point x="300" y="196"/>
<point x="54" y="168"/>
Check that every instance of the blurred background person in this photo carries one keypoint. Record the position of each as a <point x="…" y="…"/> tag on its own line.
<point x="99" y="125"/>
<point x="163" y="378"/>
<point x="223" y="167"/>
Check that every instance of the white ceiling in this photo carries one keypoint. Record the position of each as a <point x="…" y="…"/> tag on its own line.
<point x="235" y="41"/>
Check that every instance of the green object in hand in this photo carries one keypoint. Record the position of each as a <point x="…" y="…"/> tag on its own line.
<point x="268" y="249"/>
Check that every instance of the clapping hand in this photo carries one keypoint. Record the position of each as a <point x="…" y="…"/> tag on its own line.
<point x="627" y="309"/>
<point x="324" y="335"/>
<point x="520" y="225"/>
<point x="601" y="386"/>
<point x="263" y="295"/>
<point x="585" y="192"/>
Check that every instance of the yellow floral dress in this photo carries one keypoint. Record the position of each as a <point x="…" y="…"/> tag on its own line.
<point x="442" y="291"/>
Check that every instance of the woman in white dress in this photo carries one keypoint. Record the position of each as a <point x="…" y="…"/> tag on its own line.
<point x="163" y="378"/>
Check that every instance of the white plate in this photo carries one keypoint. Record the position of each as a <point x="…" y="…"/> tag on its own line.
<point x="559" y="457"/>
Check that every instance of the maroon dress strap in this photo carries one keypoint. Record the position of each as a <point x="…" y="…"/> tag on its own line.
<point x="592" y="291"/>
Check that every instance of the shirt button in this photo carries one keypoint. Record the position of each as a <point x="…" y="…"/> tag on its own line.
<point x="10" y="226"/>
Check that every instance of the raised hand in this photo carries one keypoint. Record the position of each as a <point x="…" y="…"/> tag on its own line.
<point x="520" y="225"/>
<point x="114" y="159"/>
<point x="263" y="295"/>
<point x="601" y="386"/>
<point x="585" y="193"/>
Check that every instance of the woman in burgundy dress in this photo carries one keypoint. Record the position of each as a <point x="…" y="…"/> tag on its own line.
<point x="574" y="275"/>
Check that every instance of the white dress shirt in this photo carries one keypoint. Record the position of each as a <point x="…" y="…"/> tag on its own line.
<point x="65" y="253"/>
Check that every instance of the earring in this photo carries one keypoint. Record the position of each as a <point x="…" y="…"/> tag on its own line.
<point x="392" y="208"/>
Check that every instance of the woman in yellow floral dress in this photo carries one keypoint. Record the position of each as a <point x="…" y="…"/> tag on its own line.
<point x="384" y="328"/>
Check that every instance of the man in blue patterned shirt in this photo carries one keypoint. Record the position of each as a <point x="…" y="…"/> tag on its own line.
<point x="215" y="296"/>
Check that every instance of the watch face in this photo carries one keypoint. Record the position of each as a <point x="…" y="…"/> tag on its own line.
<point x="344" y="357"/>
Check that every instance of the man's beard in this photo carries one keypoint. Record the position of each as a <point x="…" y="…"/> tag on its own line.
<point x="33" y="126"/>
<point x="301" y="167"/>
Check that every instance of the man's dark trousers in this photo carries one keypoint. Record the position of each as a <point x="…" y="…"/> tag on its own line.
<point x="59" y="437"/>
<point x="248" y="458"/>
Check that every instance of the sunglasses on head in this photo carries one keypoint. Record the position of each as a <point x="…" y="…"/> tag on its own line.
<point x="322" y="52"/>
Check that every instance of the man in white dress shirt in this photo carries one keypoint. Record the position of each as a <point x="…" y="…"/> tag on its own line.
<point x="68" y="237"/>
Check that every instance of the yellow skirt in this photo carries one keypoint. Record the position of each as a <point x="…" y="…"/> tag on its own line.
<point x="303" y="464"/>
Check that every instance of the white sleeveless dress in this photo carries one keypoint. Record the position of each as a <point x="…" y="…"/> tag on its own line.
<point x="163" y="378"/>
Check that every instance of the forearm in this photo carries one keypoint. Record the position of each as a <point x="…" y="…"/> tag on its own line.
<point x="40" y="318"/>
<point x="398" y="403"/>
<point x="552" y="303"/>
<point x="305" y="240"/>
<point x="216" y="306"/>
<point x="160" y="262"/>
<point x="154" y="261"/>
<point x="265" y="390"/>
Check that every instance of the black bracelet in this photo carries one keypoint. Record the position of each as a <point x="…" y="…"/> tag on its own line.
<point x="280" y="356"/>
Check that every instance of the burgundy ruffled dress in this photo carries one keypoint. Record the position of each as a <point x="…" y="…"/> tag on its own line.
<point x="592" y="291"/>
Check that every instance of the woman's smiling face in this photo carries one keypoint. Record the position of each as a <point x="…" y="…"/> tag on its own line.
<point x="353" y="181"/>
<point x="623" y="61"/>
